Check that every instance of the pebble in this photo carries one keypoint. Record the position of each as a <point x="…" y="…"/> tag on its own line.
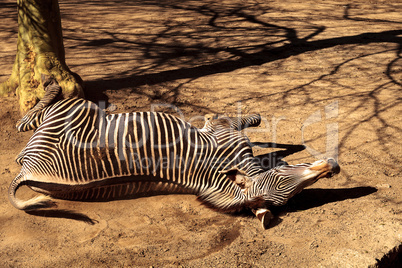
<point x="383" y="186"/>
<point x="389" y="174"/>
<point x="313" y="245"/>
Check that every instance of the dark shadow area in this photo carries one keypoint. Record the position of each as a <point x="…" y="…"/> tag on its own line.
<point x="393" y="259"/>
<point x="311" y="198"/>
<point x="62" y="213"/>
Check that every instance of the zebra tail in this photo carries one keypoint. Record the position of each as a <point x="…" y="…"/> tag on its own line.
<point x="35" y="203"/>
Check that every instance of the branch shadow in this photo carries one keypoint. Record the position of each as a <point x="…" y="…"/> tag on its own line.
<point x="96" y="87"/>
<point x="178" y="51"/>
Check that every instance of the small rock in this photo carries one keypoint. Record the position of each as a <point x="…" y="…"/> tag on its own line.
<point x="313" y="245"/>
<point x="389" y="173"/>
<point x="383" y="186"/>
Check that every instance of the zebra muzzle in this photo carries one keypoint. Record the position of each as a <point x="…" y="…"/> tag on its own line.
<point x="327" y="168"/>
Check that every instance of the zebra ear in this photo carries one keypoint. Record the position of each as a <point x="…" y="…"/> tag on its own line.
<point x="237" y="176"/>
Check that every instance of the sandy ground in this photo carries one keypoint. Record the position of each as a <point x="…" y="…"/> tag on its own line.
<point x="326" y="74"/>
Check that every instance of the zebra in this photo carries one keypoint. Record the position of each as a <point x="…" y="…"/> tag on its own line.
<point x="80" y="152"/>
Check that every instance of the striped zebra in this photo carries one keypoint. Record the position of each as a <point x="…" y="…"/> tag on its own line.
<point x="78" y="152"/>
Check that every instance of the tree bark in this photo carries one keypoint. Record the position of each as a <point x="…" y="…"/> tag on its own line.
<point x="40" y="50"/>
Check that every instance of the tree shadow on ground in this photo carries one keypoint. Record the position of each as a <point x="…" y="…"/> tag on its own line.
<point x="259" y="58"/>
<point x="184" y="50"/>
<point x="213" y="38"/>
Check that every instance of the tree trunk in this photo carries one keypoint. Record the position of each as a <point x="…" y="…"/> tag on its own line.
<point x="40" y="50"/>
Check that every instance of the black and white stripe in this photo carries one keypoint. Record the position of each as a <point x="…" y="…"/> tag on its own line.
<point x="77" y="144"/>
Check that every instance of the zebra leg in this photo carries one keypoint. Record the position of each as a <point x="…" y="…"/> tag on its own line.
<point x="35" y="203"/>
<point x="233" y="122"/>
<point x="242" y="122"/>
<point x="30" y="120"/>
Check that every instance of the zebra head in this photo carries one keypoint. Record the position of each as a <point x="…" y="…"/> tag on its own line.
<point x="276" y="186"/>
<point x="281" y="183"/>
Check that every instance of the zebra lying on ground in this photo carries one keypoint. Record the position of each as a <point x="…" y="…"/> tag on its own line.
<point x="78" y="152"/>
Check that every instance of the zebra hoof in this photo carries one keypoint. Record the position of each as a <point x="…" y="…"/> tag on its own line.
<point x="265" y="216"/>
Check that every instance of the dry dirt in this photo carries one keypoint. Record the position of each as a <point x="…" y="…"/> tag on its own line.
<point x="326" y="74"/>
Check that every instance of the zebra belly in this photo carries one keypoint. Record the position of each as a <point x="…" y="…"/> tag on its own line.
<point x="109" y="189"/>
